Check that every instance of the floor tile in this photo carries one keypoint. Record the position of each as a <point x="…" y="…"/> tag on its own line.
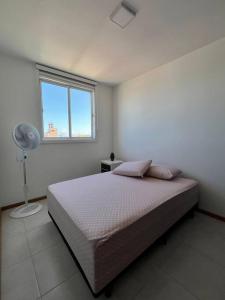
<point x="161" y="287"/>
<point x="10" y="226"/>
<point x="157" y="254"/>
<point x="74" y="288"/>
<point x="37" y="219"/>
<point x="213" y="245"/>
<point x="14" y="250"/>
<point x="126" y="287"/>
<point x="196" y="272"/>
<point x="43" y="237"/>
<point x="53" y="266"/>
<point x="210" y="225"/>
<point x="202" y="223"/>
<point x="19" y="282"/>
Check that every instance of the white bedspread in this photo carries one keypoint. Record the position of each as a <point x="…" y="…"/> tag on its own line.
<point x="104" y="203"/>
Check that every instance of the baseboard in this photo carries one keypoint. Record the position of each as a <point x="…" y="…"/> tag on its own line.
<point x="212" y="215"/>
<point x="21" y="203"/>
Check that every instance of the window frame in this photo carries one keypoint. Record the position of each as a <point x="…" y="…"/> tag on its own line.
<point x="69" y="84"/>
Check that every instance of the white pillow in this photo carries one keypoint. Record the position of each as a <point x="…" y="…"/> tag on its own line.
<point x="163" y="172"/>
<point x="133" y="168"/>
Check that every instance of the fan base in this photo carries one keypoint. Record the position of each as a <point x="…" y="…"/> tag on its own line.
<point x="25" y="210"/>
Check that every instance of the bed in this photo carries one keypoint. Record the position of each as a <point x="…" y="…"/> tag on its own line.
<point x="109" y="220"/>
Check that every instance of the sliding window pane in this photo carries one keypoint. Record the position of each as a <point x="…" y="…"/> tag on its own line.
<point x="81" y="113"/>
<point x="55" y="110"/>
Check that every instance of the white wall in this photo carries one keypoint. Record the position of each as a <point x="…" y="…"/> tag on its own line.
<point x="175" y="114"/>
<point x="19" y="102"/>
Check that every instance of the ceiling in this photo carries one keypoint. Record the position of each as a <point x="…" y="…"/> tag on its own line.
<point x="77" y="35"/>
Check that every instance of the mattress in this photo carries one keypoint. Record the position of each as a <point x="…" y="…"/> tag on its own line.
<point x="108" y="220"/>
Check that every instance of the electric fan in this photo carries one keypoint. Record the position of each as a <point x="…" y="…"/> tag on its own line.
<point x="27" y="138"/>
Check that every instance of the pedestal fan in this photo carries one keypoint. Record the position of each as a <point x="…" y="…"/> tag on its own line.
<point x="27" y="138"/>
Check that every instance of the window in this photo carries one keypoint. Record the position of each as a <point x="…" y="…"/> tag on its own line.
<point x="67" y="111"/>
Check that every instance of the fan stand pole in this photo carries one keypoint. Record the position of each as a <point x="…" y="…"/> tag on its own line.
<point x="25" y="188"/>
<point x="27" y="209"/>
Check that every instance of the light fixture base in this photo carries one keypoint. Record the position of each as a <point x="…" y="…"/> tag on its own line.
<point x="25" y="210"/>
<point x="123" y="14"/>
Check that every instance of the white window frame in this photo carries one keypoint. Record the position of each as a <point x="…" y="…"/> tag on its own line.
<point x="69" y="84"/>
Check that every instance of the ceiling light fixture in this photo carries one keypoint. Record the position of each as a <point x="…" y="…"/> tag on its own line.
<point x="123" y="14"/>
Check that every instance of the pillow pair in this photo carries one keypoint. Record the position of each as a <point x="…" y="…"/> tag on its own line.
<point x="141" y="168"/>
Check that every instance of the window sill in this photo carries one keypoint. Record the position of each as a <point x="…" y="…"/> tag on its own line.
<point x="68" y="141"/>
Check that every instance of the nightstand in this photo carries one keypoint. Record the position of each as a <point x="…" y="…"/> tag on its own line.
<point x="109" y="165"/>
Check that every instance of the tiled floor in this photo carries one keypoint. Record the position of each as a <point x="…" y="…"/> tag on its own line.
<point x="37" y="265"/>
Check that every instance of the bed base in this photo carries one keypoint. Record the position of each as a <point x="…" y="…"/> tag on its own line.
<point x="109" y="288"/>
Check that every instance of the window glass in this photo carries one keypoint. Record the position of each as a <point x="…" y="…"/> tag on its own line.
<point x="81" y="112"/>
<point x="55" y="110"/>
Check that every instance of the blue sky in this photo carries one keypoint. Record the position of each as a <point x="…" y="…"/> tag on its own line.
<point x="55" y="109"/>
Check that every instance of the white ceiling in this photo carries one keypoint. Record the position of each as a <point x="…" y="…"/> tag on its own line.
<point x="77" y="35"/>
